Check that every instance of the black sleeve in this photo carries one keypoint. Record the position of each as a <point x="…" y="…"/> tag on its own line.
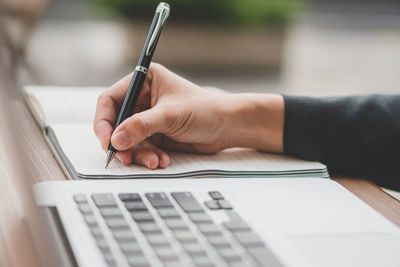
<point x="357" y="135"/>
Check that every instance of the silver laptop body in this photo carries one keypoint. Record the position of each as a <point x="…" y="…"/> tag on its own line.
<point x="214" y="222"/>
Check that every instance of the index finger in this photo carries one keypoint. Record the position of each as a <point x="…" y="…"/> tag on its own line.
<point x="108" y="105"/>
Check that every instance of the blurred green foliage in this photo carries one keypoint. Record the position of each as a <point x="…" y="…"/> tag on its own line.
<point x="238" y="12"/>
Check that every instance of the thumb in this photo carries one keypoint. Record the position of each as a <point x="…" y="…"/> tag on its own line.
<point x="138" y="127"/>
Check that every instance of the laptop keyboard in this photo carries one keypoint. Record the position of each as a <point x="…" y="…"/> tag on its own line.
<point x="170" y="229"/>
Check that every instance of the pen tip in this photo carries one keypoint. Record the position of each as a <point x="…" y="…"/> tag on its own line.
<point x="110" y="156"/>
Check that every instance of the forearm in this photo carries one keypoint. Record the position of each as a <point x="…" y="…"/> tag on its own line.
<point x="256" y="121"/>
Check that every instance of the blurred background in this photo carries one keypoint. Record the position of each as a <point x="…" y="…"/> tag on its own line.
<point x="318" y="47"/>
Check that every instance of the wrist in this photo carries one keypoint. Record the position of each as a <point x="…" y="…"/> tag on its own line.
<point x="256" y="121"/>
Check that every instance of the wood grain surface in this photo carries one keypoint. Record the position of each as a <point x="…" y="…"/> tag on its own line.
<point x="33" y="162"/>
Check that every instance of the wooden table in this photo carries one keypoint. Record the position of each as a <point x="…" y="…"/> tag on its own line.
<point x="16" y="244"/>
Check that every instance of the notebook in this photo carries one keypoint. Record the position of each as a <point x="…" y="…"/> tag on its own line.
<point x="65" y="114"/>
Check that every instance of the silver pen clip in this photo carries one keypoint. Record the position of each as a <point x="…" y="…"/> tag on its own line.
<point x="163" y="13"/>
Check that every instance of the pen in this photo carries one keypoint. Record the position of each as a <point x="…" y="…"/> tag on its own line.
<point x="139" y="75"/>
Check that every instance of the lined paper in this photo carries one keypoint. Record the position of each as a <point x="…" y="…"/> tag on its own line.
<point x="82" y="148"/>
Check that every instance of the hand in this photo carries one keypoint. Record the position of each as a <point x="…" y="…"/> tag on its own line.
<point x="175" y="114"/>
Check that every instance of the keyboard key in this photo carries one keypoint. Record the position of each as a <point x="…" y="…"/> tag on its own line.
<point x="187" y="202"/>
<point x="172" y="263"/>
<point x="264" y="257"/>
<point x="236" y="226"/>
<point x="116" y="223"/>
<point x="149" y="227"/>
<point x="96" y="232"/>
<point x="248" y="239"/>
<point x="223" y="204"/>
<point x="104" y="200"/>
<point x="194" y="249"/>
<point x="218" y="241"/>
<point x="185" y="236"/>
<point x="203" y="261"/>
<point x="157" y="240"/>
<point x="130" y="197"/>
<point x="168" y="213"/>
<point x="212" y="205"/>
<point x="110" y="212"/>
<point x="175" y="224"/>
<point x="80" y="198"/>
<point x="131" y="248"/>
<point x="123" y="235"/>
<point x="228" y="254"/>
<point x="209" y="229"/>
<point x="90" y="220"/>
<point x="85" y="208"/>
<point x="166" y="253"/>
<point x="137" y="261"/>
<point x="216" y="195"/>
<point x="135" y="205"/>
<point x="200" y="217"/>
<point x="142" y="216"/>
<point x="159" y="200"/>
<point x="102" y="244"/>
<point x="109" y="258"/>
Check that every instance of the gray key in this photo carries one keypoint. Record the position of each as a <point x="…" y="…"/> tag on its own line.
<point x="194" y="249"/>
<point x="159" y="200"/>
<point x="90" y="220"/>
<point x="248" y="239"/>
<point x="223" y="204"/>
<point x="110" y="212"/>
<point x="157" y="240"/>
<point x="203" y="261"/>
<point x="130" y="197"/>
<point x="104" y="200"/>
<point x="172" y="263"/>
<point x="264" y="257"/>
<point x="123" y="235"/>
<point x="218" y="241"/>
<point x="185" y="236"/>
<point x="131" y="248"/>
<point x="96" y="232"/>
<point x="209" y="229"/>
<point x="175" y="224"/>
<point x="212" y="205"/>
<point x="109" y="258"/>
<point x="142" y="216"/>
<point x="80" y="198"/>
<point x="137" y="261"/>
<point x="228" y="254"/>
<point x="102" y="244"/>
<point x="166" y="253"/>
<point x="149" y="227"/>
<point x="85" y="208"/>
<point x="168" y="213"/>
<point x="115" y="223"/>
<point x="216" y="195"/>
<point x="135" y="205"/>
<point x="236" y="226"/>
<point x="187" y="202"/>
<point x="200" y="217"/>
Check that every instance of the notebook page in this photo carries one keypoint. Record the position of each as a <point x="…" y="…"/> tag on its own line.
<point x="66" y="104"/>
<point x="83" y="150"/>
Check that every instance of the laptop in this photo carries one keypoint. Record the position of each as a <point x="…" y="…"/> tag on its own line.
<point x="213" y="222"/>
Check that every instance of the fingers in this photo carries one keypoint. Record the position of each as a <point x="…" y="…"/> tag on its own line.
<point x="139" y="126"/>
<point x="145" y="154"/>
<point x="107" y="109"/>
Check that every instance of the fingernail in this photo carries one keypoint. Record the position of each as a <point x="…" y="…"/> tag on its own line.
<point x="121" y="140"/>
<point x="146" y="162"/>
